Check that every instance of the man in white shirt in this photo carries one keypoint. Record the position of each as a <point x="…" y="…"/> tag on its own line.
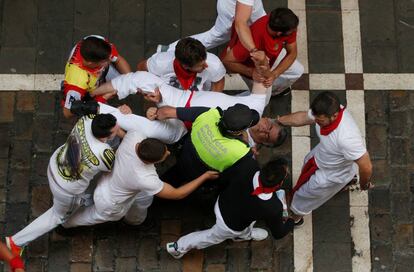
<point x="242" y="12"/>
<point x="71" y="168"/>
<point x="129" y="189"/>
<point x="190" y="67"/>
<point x="333" y="163"/>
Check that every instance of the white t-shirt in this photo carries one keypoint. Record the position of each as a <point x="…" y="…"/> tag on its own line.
<point x="336" y="152"/>
<point x="96" y="156"/>
<point x="130" y="175"/>
<point x="161" y="64"/>
<point x="226" y="9"/>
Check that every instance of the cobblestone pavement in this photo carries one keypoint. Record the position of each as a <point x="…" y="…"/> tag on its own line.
<point x="36" y="37"/>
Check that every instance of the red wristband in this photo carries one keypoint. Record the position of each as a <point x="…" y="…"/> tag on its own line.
<point x="16" y="263"/>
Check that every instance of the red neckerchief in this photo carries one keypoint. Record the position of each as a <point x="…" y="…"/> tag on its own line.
<point x="186" y="78"/>
<point x="264" y="190"/>
<point x="188" y="124"/>
<point x="308" y="170"/>
<point x="332" y="126"/>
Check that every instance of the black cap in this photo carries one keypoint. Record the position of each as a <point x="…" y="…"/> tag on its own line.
<point x="239" y="117"/>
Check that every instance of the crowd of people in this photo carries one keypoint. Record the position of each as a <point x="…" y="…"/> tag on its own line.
<point x="219" y="135"/>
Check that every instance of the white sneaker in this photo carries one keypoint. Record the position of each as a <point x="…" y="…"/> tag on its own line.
<point x="162" y="48"/>
<point x="172" y="248"/>
<point x="257" y="234"/>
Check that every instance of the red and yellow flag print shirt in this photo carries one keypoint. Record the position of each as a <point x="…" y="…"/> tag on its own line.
<point x="79" y="80"/>
<point x="263" y="41"/>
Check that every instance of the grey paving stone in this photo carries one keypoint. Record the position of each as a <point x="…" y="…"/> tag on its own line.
<point x="18" y="188"/>
<point x="104" y="257"/>
<point x="42" y="137"/>
<point x="126" y="243"/>
<point x="16" y="217"/>
<point x="403" y="239"/>
<point x="377" y="108"/>
<point x="190" y="27"/>
<point x="379" y="200"/>
<point x="381" y="228"/>
<point x="55" y="11"/>
<point x="238" y="259"/>
<point x="82" y="246"/>
<point x="401" y="207"/>
<point x="216" y="254"/>
<point x="23" y="126"/>
<point x="147" y="253"/>
<point x="39" y="169"/>
<point x="168" y="264"/>
<point x="326" y="57"/>
<point x="129" y="40"/>
<point x="261" y="254"/>
<point x="405" y="54"/>
<point x="324" y="26"/>
<point x="19" y="31"/>
<point x="323" y="5"/>
<point x="41" y="200"/>
<point x="170" y="25"/>
<point x="21" y="155"/>
<point x="381" y="257"/>
<point x="91" y="17"/>
<point x="126" y="264"/>
<point x="269" y="5"/>
<point x="378" y="25"/>
<point x="39" y="247"/>
<point x="376" y="140"/>
<point x="127" y="10"/>
<point x="53" y="46"/>
<point x="198" y="10"/>
<point x="400" y="180"/>
<point x="331" y="224"/>
<point x="5" y="131"/>
<point x="47" y="103"/>
<point x="399" y="100"/>
<point x="37" y="264"/>
<point x="19" y="60"/>
<point x="398" y="151"/>
<point x="332" y="256"/>
<point x="59" y="257"/>
<point x="379" y="58"/>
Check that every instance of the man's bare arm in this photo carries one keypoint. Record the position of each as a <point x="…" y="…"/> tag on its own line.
<point x="104" y="89"/>
<point x="296" y="119"/>
<point x="218" y="86"/>
<point x="142" y="66"/>
<point x="169" y="192"/>
<point x="234" y="66"/>
<point x="241" y="19"/>
<point x="365" y="171"/>
<point x="122" y="65"/>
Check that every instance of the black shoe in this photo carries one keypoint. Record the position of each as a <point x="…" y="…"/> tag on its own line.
<point x="283" y="93"/>
<point x="299" y="224"/>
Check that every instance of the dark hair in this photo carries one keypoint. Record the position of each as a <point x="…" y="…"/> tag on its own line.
<point x="95" y="49"/>
<point x="283" y="20"/>
<point x="102" y="125"/>
<point x="190" y="51"/>
<point x="151" y="150"/>
<point x="325" y="103"/>
<point x="273" y="172"/>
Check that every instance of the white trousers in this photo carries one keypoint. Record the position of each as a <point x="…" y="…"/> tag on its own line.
<point x="104" y="209"/>
<point x="215" y="235"/>
<point x="221" y="31"/>
<point x="64" y="205"/>
<point x="285" y="80"/>
<point x="178" y="98"/>
<point x="315" y="192"/>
